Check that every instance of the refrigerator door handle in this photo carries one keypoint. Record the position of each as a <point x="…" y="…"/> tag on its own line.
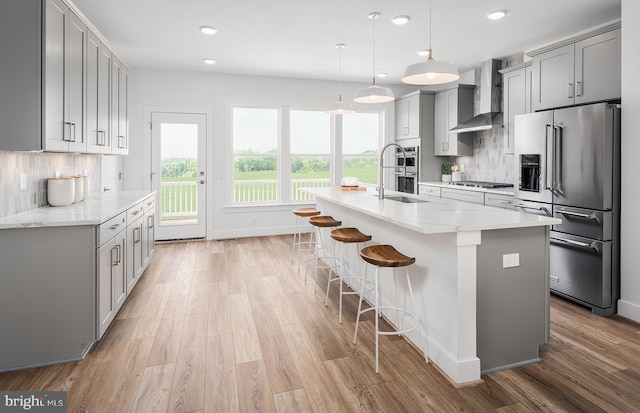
<point x="548" y="166"/>
<point x="557" y="156"/>
<point x="591" y="246"/>
<point x="543" y="209"/>
<point x="592" y="217"/>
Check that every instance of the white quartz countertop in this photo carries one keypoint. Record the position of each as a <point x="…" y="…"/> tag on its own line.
<point x="500" y="191"/>
<point x="96" y="209"/>
<point x="431" y="217"/>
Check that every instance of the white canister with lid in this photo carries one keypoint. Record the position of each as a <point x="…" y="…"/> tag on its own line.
<point x="79" y="189"/>
<point x="61" y="191"/>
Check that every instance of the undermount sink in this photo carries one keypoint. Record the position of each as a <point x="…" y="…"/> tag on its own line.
<point x="405" y="199"/>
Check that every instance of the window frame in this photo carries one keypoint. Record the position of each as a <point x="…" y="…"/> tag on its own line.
<point x="284" y="175"/>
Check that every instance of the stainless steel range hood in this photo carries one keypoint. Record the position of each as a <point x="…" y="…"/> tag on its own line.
<point x="490" y="100"/>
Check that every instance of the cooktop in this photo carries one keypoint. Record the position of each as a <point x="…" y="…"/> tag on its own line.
<point x="482" y="184"/>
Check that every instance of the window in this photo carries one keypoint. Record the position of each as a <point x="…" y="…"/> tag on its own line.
<point x="310" y="151"/>
<point x="361" y="146"/>
<point x="271" y="163"/>
<point x="255" y="155"/>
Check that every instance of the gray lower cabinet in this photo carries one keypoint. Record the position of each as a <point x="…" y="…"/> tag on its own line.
<point x="111" y="274"/>
<point x="463" y="195"/>
<point x="47" y="295"/>
<point x="135" y="253"/>
<point x="498" y="201"/>
<point x="149" y="231"/>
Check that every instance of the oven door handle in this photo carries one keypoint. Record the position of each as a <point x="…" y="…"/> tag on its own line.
<point x="585" y="245"/>
<point x="543" y="209"/>
<point x="592" y="217"/>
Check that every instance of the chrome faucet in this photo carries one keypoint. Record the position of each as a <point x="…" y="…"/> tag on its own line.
<point x="382" y="166"/>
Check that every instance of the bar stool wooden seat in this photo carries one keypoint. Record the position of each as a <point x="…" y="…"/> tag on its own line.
<point x="320" y="248"/>
<point x="345" y="236"/>
<point x="386" y="256"/>
<point x="298" y="244"/>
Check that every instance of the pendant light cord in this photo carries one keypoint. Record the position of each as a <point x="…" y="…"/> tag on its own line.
<point x="374" y="16"/>
<point x="340" y="47"/>
<point x="430" y="49"/>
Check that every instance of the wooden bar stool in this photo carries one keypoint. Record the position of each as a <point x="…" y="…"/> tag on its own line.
<point x="298" y="244"/>
<point x="345" y="236"/>
<point x="320" y="248"/>
<point x="386" y="256"/>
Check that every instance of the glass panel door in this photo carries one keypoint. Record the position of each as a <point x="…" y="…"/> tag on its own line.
<point x="179" y="175"/>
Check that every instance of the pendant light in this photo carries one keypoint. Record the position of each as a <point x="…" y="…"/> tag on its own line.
<point x="374" y="93"/>
<point x="431" y="72"/>
<point x="340" y="107"/>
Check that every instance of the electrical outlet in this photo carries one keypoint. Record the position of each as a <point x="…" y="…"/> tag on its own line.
<point x="511" y="260"/>
<point x="23" y="181"/>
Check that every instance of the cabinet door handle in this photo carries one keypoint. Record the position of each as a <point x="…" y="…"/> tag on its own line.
<point x="150" y="221"/>
<point x="570" y="90"/>
<point x="66" y="136"/>
<point x="578" y="88"/>
<point x="119" y="254"/>
<point x="136" y="235"/>
<point x="73" y="128"/>
<point x="114" y="261"/>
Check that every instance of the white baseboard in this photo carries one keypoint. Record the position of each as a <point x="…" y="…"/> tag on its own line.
<point x="629" y="310"/>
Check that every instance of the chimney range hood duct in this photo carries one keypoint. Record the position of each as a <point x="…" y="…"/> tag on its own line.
<point x="490" y="100"/>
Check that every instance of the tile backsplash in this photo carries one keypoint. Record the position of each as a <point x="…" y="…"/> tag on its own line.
<point x="489" y="162"/>
<point x="38" y="167"/>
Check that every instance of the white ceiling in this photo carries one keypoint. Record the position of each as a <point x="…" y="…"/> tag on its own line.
<point x="297" y="38"/>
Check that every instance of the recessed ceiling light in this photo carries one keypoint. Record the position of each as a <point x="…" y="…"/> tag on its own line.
<point x="496" y="15"/>
<point x="400" y="20"/>
<point x="208" y="61"/>
<point x="423" y="52"/>
<point x="208" y="30"/>
<point x="381" y="74"/>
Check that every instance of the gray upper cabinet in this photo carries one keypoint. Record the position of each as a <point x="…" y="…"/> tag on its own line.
<point x="408" y="117"/>
<point x="580" y="70"/>
<point x="516" y="83"/>
<point x="98" y="90"/>
<point x="119" y="120"/>
<point x="52" y="88"/>
<point x="453" y="107"/>
<point x="65" y="42"/>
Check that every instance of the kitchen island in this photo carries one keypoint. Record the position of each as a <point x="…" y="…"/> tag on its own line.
<point x="481" y="276"/>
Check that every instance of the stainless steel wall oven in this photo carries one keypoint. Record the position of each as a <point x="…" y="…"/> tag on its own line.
<point x="407" y="179"/>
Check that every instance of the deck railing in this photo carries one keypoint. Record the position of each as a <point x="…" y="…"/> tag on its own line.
<point x="179" y="199"/>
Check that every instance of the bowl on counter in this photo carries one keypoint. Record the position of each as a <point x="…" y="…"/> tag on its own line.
<point x="61" y="191"/>
<point x="79" y="189"/>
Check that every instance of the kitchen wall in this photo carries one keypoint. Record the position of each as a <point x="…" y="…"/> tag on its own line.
<point x="38" y="167"/>
<point x="201" y="92"/>
<point x="629" y="303"/>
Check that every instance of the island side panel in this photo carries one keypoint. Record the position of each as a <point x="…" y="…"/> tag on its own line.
<point x="47" y="289"/>
<point x="443" y="280"/>
<point x="513" y="302"/>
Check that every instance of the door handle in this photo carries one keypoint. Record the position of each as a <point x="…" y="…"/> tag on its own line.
<point x="592" y="217"/>
<point x="578" y="88"/>
<point x="585" y="245"/>
<point x="543" y="209"/>
<point x="201" y="182"/>
<point x="570" y="91"/>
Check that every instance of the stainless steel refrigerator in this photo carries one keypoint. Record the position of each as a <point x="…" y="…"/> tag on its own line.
<point x="568" y="166"/>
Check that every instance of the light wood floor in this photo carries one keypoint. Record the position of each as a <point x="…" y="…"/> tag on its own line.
<point x="231" y="326"/>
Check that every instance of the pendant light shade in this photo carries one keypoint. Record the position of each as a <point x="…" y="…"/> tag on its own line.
<point x="374" y="93"/>
<point x="431" y="72"/>
<point x="340" y="107"/>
